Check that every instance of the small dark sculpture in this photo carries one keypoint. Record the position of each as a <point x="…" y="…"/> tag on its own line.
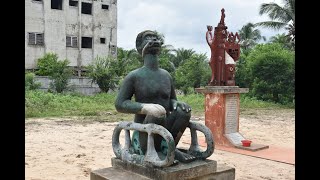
<point x="155" y="98"/>
<point x="225" y="50"/>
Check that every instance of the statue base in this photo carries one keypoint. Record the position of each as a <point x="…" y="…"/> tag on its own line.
<point x="198" y="169"/>
<point x="222" y="109"/>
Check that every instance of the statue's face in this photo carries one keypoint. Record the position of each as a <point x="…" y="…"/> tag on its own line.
<point x="209" y="28"/>
<point x="152" y="43"/>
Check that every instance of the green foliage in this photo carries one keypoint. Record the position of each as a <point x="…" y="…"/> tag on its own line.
<point x="60" y="76"/>
<point x="43" y="104"/>
<point x="280" y="16"/>
<point x="271" y="71"/>
<point x="45" y="64"/>
<point x="249" y="36"/>
<point x="192" y="73"/>
<point x="57" y="70"/>
<point x="30" y="83"/>
<point x="103" y="71"/>
<point x="127" y="60"/>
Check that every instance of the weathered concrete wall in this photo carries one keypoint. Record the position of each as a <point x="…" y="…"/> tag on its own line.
<point x="80" y="84"/>
<point x="57" y="24"/>
<point x="34" y="23"/>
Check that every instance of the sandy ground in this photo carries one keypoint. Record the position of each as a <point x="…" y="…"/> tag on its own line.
<point x="67" y="148"/>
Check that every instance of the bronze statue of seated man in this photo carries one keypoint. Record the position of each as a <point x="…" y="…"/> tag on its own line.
<point x="155" y="97"/>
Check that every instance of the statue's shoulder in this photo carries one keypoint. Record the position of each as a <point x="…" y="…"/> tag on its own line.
<point x="165" y="72"/>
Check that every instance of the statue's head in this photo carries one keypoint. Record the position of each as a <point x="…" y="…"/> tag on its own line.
<point x="149" y="42"/>
<point x="209" y="28"/>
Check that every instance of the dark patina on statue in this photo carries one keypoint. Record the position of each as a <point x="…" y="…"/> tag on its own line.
<point x="160" y="119"/>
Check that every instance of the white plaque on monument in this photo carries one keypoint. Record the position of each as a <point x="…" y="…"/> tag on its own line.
<point x="235" y="138"/>
<point x="231" y="117"/>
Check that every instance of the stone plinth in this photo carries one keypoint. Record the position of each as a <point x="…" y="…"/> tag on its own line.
<point x="222" y="109"/>
<point x="199" y="169"/>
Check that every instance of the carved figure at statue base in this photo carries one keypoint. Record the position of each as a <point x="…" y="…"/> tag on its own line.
<point x="160" y="119"/>
<point x="225" y="51"/>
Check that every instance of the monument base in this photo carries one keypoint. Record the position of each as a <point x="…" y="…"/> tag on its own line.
<point x="199" y="169"/>
<point x="253" y="147"/>
<point x="222" y="109"/>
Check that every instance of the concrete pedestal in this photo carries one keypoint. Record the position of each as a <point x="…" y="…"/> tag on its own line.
<point x="222" y="109"/>
<point x="197" y="170"/>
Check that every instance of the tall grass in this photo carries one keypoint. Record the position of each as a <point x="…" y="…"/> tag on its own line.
<point x="43" y="104"/>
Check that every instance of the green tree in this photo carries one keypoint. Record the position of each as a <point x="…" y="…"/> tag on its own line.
<point x="282" y="39"/>
<point x="58" y="71"/>
<point x="193" y="73"/>
<point x="181" y="55"/>
<point x="60" y="75"/>
<point x="103" y="72"/>
<point x="249" y="36"/>
<point x="46" y="63"/>
<point x="281" y="16"/>
<point x="271" y="69"/>
<point x="127" y="60"/>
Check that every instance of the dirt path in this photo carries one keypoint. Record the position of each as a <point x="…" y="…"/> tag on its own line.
<point x="63" y="148"/>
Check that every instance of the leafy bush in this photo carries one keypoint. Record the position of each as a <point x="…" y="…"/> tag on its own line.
<point x="193" y="73"/>
<point x="30" y="83"/>
<point x="57" y="70"/>
<point x="271" y="68"/>
<point x="45" y="64"/>
<point x="60" y="76"/>
<point x="103" y="72"/>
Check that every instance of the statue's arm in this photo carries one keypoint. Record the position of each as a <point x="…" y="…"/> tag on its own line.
<point x="123" y="101"/>
<point x="209" y="37"/>
<point x="174" y="103"/>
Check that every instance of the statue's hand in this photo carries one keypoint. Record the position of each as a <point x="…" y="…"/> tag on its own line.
<point x="182" y="105"/>
<point x="155" y="110"/>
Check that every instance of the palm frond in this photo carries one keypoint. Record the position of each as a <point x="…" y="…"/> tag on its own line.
<point x="271" y="24"/>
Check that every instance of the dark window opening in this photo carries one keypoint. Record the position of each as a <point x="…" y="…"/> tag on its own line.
<point x="86" y="42"/>
<point x="102" y="40"/>
<point x="73" y="3"/>
<point x="104" y="6"/>
<point x="36" y="39"/>
<point x="37" y="0"/>
<point x="72" y="41"/>
<point x="86" y="8"/>
<point x="56" y="4"/>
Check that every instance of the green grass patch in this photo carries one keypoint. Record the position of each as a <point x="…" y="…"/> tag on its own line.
<point x="101" y="106"/>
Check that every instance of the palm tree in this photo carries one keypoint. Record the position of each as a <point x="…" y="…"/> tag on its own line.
<point x="249" y="36"/>
<point x="126" y="60"/>
<point x="280" y="16"/>
<point x="181" y="56"/>
<point x="282" y="39"/>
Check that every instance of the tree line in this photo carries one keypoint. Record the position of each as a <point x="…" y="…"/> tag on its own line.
<point x="267" y="68"/>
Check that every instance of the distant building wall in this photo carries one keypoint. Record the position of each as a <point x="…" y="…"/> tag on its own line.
<point x="57" y="24"/>
<point x="79" y="84"/>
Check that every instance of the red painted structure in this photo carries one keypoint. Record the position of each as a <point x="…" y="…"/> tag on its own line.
<point x="225" y="50"/>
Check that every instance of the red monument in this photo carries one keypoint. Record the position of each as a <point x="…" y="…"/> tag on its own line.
<point x="222" y="97"/>
<point x="225" y="51"/>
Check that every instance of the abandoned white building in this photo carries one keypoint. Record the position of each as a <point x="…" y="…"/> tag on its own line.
<point x="77" y="30"/>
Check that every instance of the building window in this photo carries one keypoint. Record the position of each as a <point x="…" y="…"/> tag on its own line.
<point x="86" y="42"/>
<point x="37" y="0"/>
<point x="73" y="3"/>
<point x="35" y="39"/>
<point x="86" y="8"/>
<point x="72" y="41"/>
<point x="56" y="4"/>
<point x="102" y="40"/>
<point x="104" y="6"/>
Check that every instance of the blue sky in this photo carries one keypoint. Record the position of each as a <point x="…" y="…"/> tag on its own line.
<point x="184" y="22"/>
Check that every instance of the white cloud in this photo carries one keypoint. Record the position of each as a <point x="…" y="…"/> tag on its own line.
<point x="184" y="22"/>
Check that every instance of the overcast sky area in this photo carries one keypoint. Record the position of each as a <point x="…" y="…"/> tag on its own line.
<point x="184" y="22"/>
